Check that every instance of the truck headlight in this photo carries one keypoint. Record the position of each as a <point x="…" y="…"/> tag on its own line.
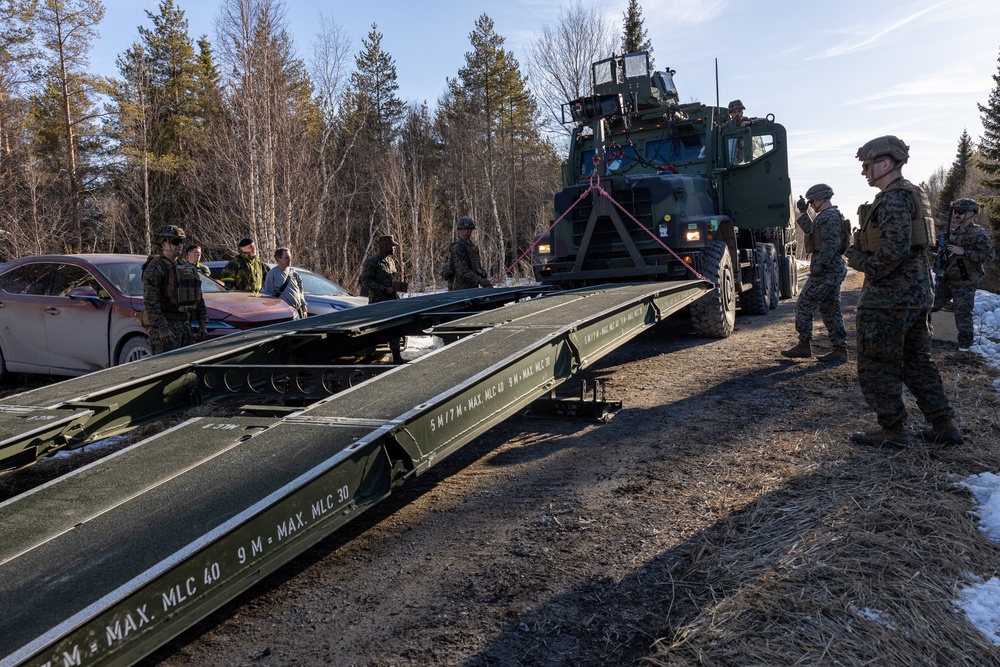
<point x="544" y="249"/>
<point x="692" y="236"/>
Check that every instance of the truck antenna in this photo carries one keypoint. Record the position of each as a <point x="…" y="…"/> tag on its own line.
<point x="716" y="82"/>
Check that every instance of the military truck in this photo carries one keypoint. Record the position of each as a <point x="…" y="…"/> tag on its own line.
<point x="686" y="193"/>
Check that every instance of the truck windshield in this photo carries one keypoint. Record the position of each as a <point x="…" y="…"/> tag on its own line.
<point x="618" y="159"/>
<point x="668" y="151"/>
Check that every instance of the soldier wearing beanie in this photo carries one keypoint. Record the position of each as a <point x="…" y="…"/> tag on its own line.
<point x="245" y="272"/>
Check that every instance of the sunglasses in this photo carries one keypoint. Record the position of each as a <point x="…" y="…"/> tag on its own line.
<point x="865" y="166"/>
<point x="176" y="241"/>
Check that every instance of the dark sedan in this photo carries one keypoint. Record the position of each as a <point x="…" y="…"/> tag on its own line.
<point x="73" y="314"/>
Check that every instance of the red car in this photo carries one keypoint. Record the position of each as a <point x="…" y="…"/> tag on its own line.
<point x="73" y="314"/>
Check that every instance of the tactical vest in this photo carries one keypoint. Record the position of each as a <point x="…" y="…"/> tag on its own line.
<point x="183" y="287"/>
<point x="814" y="238"/>
<point x="922" y="231"/>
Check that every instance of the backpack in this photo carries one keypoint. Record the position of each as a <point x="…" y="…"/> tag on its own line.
<point x="845" y="234"/>
<point x="448" y="267"/>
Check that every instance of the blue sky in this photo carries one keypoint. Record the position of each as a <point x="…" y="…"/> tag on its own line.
<point x="834" y="74"/>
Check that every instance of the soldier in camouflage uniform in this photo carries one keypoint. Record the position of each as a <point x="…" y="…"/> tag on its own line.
<point x="465" y="259"/>
<point x="737" y="120"/>
<point x="245" y="272"/>
<point x="192" y="254"/>
<point x="827" y="271"/>
<point x="969" y="246"/>
<point x="894" y="342"/>
<point x="378" y="278"/>
<point x="172" y="299"/>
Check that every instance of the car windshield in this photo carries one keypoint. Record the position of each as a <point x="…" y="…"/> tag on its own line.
<point x="127" y="278"/>
<point x="317" y="285"/>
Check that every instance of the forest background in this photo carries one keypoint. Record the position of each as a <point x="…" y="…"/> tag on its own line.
<point x="240" y="136"/>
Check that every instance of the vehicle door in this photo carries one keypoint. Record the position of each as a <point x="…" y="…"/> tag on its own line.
<point x="22" y="317"/>
<point x="76" y="330"/>
<point x="756" y="191"/>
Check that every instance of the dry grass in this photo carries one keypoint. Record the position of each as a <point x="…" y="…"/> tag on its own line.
<point x="857" y="562"/>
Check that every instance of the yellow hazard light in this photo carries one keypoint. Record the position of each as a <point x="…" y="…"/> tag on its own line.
<point x="544" y="249"/>
<point x="692" y="236"/>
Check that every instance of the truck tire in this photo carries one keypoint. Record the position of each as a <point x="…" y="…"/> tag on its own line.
<point x="135" y="348"/>
<point x="714" y="314"/>
<point x="757" y="301"/>
<point x="789" y="277"/>
<point x="772" y="263"/>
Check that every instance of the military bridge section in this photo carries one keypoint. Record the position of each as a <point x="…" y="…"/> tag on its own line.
<point x="105" y="564"/>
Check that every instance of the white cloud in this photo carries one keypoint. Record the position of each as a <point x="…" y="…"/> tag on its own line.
<point x="868" y="38"/>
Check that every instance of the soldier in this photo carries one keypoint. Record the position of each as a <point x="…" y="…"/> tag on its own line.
<point x="468" y="266"/>
<point x="894" y="342"/>
<point x="192" y="253"/>
<point x="736" y="118"/>
<point x="285" y="283"/>
<point x="968" y="247"/>
<point x="171" y="294"/>
<point x="824" y="239"/>
<point x="245" y="272"/>
<point x="378" y="278"/>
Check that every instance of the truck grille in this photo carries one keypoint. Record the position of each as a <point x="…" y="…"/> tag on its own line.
<point x="606" y="240"/>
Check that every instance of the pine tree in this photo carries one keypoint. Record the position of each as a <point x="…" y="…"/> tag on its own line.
<point x="635" y="38"/>
<point x="989" y="148"/>
<point x="489" y="121"/>
<point x="955" y="180"/>
<point x="66" y="29"/>
<point x="374" y="87"/>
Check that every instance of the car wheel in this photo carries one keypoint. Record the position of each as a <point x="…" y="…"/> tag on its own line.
<point x="134" y="349"/>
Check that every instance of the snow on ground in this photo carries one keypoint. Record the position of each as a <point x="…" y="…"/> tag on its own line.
<point x="981" y="600"/>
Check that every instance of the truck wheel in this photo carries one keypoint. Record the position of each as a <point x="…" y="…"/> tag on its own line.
<point x="757" y="301"/>
<point x="789" y="277"/>
<point x="772" y="263"/>
<point x="714" y="314"/>
<point x="135" y="348"/>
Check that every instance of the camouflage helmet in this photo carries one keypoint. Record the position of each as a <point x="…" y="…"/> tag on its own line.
<point x="466" y="222"/>
<point x="819" y="191"/>
<point x="167" y="232"/>
<point x="736" y="105"/>
<point x="888" y="145"/>
<point x="965" y="204"/>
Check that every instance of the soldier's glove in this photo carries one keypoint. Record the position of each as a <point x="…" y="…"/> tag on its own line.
<point x="802" y="204"/>
<point x="485" y="282"/>
<point x="162" y="338"/>
<point x="202" y="332"/>
<point x="856" y="259"/>
<point x="815" y="270"/>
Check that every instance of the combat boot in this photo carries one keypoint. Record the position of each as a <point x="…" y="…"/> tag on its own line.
<point x="838" y="356"/>
<point x="892" y="436"/>
<point x="801" y="351"/>
<point x="943" y="433"/>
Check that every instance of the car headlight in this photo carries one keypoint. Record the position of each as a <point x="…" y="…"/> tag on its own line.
<point x="214" y="324"/>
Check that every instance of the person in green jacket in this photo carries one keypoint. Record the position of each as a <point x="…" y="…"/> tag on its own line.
<point x="245" y="272"/>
